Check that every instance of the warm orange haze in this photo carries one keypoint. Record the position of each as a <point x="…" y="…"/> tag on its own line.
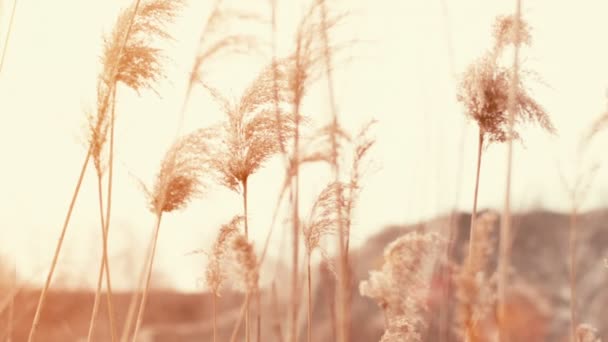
<point x="307" y="170"/>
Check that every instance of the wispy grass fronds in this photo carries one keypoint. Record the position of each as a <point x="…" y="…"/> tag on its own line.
<point x="401" y="286"/>
<point x="474" y="283"/>
<point x="215" y="274"/>
<point x="139" y="63"/>
<point x="249" y="135"/>
<point x="179" y="180"/>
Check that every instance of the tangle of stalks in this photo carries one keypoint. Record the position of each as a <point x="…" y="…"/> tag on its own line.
<point x="139" y="67"/>
<point x="402" y="285"/>
<point x="135" y="64"/>
<point x="178" y="182"/>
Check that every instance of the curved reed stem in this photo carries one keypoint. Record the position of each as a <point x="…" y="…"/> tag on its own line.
<point x="49" y="277"/>
<point x="8" y="35"/>
<point x="150" y="263"/>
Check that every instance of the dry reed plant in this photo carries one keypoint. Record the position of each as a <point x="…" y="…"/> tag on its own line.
<point x="475" y="284"/>
<point x="179" y="180"/>
<point x="484" y="92"/>
<point x="402" y="284"/>
<point x="248" y="138"/>
<point x="497" y="99"/>
<point x="216" y="273"/>
<point x="132" y="62"/>
<point x="307" y="59"/>
<point x="139" y="68"/>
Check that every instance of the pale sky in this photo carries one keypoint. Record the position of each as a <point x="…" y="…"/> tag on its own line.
<point x="401" y="75"/>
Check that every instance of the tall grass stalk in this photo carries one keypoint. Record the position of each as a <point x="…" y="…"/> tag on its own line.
<point x="149" y="264"/>
<point x="505" y="222"/>
<point x="36" y="321"/>
<point x="8" y="35"/>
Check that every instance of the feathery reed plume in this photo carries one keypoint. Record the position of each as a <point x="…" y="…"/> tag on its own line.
<point x="216" y="274"/>
<point x="8" y="34"/>
<point x="138" y="68"/>
<point x="178" y="182"/>
<point x="474" y="291"/>
<point x="249" y="137"/>
<point x="402" y="284"/>
<point x="485" y="90"/>
<point x="326" y="211"/>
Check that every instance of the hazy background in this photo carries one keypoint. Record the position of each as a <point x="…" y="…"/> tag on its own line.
<point x="403" y="75"/>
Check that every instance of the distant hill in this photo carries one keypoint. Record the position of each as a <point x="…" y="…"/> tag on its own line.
<point x="540" y="310"/>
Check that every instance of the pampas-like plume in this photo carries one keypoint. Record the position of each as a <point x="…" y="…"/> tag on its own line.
<point x="248" y="138"/>
<point x="475" y="290"/>
<point x="402" y="284"/>
<point x="177" y="183"/>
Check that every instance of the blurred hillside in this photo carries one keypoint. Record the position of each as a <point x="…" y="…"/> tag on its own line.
<point x="538" y="299"/>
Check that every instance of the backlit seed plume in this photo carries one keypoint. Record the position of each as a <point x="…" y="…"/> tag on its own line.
<point x="140" y="63"/>
<point x="216" y="272"/>
<point x="401" y="286"/>
<point x="181" y="172"/>
<point x="484" y="91"/>
<point x="138" y="66"/>
<point x="251" y="133"/>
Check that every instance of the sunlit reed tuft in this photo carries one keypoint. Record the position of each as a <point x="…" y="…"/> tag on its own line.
<point x="401" y="286"/>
